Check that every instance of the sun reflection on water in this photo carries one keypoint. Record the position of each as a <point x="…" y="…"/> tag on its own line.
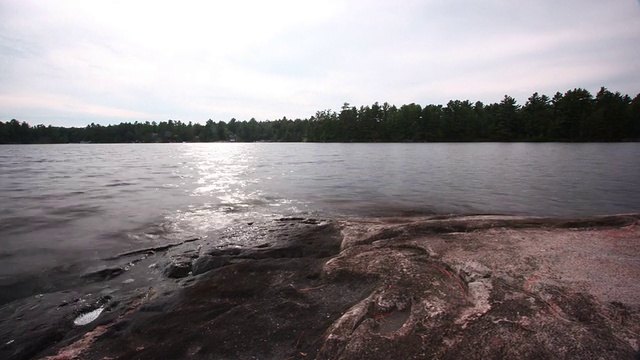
<point x="224" y="184"/>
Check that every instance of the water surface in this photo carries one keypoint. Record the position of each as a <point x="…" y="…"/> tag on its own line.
<point x="64" y="206"/>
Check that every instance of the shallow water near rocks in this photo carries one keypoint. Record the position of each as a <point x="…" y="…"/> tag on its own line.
<point x="65" y="208"/>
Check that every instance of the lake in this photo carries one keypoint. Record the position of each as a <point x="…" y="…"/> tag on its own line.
<point x="70" y="205"/>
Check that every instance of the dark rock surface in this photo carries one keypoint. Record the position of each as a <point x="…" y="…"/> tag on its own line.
<point x="103" y="274"/>
<point x="177" y="268"/>
<point x="482" y="287"/>
<point x="207" y="262"/>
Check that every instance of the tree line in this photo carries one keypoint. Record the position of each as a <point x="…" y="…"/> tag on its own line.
<point x="575" y="115"/>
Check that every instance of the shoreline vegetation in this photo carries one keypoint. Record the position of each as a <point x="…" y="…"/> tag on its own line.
<point x="575" y="116"/>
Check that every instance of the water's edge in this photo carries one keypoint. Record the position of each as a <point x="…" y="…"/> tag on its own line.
<point x="140" y="288"/>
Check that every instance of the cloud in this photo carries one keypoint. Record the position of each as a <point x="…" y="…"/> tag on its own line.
<point x="135" y="60"/>
<point x="59" y="108"/>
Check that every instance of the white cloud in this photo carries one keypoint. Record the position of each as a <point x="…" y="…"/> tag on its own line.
<point x="114" y="61"/>
<point x="59" y="108"/>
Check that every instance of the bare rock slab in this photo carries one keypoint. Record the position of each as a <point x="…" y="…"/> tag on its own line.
<point x="484" y="287"/>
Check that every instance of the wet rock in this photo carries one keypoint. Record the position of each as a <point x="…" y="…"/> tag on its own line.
<point x="446" y="288"/>
<point x="104" y="274"/>
<point x="311" y="221"/>
<point x="233" y="251"/>
<point x="7" y="345"/>
<point x="36" y="325"/>
<point x="177" y="268"/>
<point x="289" y="219"/>
<point x="208" y="262"/>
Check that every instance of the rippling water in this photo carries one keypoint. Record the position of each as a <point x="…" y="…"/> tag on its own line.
<point x="66" y="204"/>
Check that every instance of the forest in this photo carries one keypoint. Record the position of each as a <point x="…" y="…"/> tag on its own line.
<point x="575" y="115"/>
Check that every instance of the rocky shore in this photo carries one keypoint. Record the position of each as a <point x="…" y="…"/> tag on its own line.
<point x="474" y="287"/>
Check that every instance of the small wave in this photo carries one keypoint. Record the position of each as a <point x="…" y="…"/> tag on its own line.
<point x="25" y="224"/>
<point x="120" y="183"/>
<point x="76" y="211"/>
<point x="23" y="189"/>
<point x="231" y="209"/>
<point x="39" y="197"/>
<point x="46" y="161"/>
<point x="101" y="197"/>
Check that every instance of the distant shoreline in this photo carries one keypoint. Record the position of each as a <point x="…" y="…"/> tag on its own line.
<point x="346" y="142"/>
<point x="575" y="116"/>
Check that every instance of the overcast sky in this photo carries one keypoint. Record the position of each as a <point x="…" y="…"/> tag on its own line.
<point x="71" y="63"/>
